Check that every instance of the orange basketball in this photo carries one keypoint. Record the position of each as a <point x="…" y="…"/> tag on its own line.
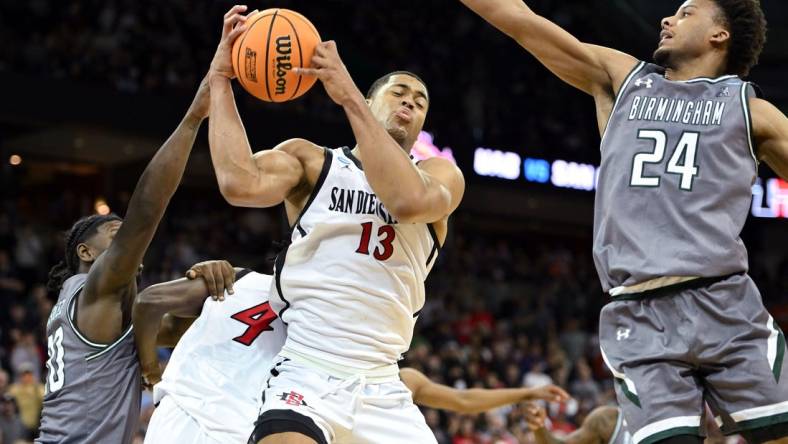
<point x="275" y="42"/>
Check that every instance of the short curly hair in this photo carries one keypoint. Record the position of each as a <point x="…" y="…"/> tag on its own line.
<point x="746" y="23"/>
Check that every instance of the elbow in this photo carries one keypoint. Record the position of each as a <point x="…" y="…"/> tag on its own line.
<point x="151" y="301"/>
<point x="233" y="191"/>
<point x="465" y="407"/>
<point x="405" y="210"/>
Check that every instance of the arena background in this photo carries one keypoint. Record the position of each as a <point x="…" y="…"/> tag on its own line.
<point x="90" y="89"/>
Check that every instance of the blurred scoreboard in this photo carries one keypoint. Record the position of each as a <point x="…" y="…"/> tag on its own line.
<point x="770" y="196"/>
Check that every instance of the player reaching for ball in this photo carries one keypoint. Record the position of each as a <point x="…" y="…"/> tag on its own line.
<point x="367" y="224"/>
<point x="93" y="378"/>
<point x="681" y="142"/>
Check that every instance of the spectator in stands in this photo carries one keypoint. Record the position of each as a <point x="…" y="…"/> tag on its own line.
<point x="29" y="396"/>
<point x="11" y="428"/>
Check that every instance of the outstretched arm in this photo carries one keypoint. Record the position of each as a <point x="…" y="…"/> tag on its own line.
<point x="412" y="194"/>
<point x="439" y="396"/>
<point x="597" y="428"/>
<point x="118" y="266"/>
<point x="590" y="68"/>
<point x="770" y="128"/>
<point x="246" y="180"/>
<point x="157" y="309"/>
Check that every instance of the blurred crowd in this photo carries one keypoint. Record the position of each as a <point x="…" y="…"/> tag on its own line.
<point x="163" y="48"/>
<point x="501" y="311"/>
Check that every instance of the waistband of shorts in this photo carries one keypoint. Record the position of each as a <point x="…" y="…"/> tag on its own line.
<point x="664" y="287"/>
<point x="377" y="375"/>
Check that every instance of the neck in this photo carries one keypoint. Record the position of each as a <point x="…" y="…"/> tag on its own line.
<point x="83" y="267"/>
<point x="708" y="65"/>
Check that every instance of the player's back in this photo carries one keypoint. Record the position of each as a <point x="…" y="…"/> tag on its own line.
<point x="92" y="390"/>
<point x="675" y="182"/>
<point x="351" y="283"/>
<point x="218" y="369"/>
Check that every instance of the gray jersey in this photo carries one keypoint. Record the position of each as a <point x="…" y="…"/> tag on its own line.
<point x="92" y="390"/>
<point x="675" y="182"/>
<point x="621" y="433"/>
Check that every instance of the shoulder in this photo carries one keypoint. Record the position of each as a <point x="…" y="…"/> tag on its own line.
<point x="602" y="420"/>
<point x="301" y="148"/>
<point x="442" y="168"/>
<point x="766" y="118"/>
<point x="617" y="64"/>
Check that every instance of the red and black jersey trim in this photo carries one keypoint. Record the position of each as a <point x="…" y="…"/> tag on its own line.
<point x="436" y="245"/>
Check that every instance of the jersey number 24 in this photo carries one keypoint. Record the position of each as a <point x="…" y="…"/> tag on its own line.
<point x="682" y="162"/>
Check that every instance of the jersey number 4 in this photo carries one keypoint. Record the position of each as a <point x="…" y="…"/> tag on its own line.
<point x="258" y="318"/>
<point x="682" y="162"/>
<point x="386" y="235"/>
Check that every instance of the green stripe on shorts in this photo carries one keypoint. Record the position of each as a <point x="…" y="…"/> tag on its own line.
<point x="671" y="432"/>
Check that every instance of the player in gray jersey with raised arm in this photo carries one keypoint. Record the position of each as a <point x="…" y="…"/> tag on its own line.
<point x="93" y="377"/>
<point x="681" y="143"/>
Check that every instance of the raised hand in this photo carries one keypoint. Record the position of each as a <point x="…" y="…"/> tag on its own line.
<point x="328" y="67"/>
<point x="234" y="25"/>
<point x="218" y="276"/>
<point x="535" y="417"/>
<point x="550" y="393"/>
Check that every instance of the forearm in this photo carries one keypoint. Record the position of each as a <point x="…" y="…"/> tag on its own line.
<point x="503" y="14"/>
<point x="231" y="153"/>
<point x="171" y="330"/>
<point x="388" y="168"/>
<point x="182" y="298"/>
<point x="147" y="321"/>
<point x="544" y="436"/>
<point x="480" y="400"/>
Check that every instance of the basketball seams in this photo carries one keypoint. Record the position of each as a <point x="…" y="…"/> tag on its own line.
<point x="257" y="88"/>
<point x="267" y="54"/>
<point x="240" y="50"/>
<point x="300" y="55"/>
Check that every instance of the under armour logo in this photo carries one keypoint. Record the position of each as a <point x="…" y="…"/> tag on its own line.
<point x="725" y="92"/>
<point x="622" y="333"/>
<point x="641" y="82"/>
<point x="292" y="398"/>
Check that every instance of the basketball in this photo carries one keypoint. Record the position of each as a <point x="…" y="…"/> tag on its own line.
<point x="275" y="42"/>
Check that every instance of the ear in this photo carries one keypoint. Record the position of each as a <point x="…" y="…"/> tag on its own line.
<point x="720" y="35"/>
<point x="85" y="253"/>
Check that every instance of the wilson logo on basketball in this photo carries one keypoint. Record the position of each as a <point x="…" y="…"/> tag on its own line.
<point x="251" y="65"/>
<point x="283" y="49"/>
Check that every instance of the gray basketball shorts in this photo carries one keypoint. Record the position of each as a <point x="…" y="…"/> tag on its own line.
<point x="670" y="353"/>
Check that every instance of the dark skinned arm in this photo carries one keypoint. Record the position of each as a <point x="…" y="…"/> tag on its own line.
<point x="114" y="271"/>
<point x="597" y="428"/>
<point x="158" y="308"/>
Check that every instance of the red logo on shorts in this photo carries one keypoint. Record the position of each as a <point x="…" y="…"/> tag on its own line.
<point x="293" y="398"/>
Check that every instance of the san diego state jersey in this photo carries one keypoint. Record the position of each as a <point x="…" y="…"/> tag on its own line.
<point x="218" y="370"/>
<point x="351" y="283"/>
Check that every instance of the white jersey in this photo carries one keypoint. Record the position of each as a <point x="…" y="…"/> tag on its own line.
<point x="218" y="370"/>
<point x="351" y="283"/>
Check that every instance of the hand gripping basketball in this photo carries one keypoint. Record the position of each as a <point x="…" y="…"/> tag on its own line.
<point x="234" y="25"/>
<point x="328" y="67"/>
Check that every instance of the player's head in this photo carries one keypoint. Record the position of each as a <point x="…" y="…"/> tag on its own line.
<point x="399" y="100"/>
<point x="85" y="241"/>
<point x="736" y="29"/>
